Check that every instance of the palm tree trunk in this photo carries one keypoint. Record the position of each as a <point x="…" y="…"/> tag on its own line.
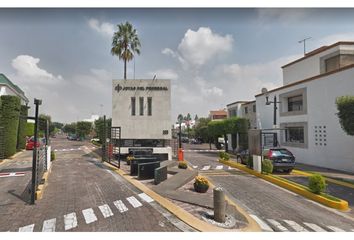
<point x="125" y="69"/>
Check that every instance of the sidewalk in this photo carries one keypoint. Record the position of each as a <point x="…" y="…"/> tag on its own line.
<point x="330" y="173"/>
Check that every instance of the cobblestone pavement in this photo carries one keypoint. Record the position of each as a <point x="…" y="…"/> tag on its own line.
<point x="82" y="195"/>
<point x="276" y="209"/>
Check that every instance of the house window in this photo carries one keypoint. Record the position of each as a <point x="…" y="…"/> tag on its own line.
<point x="295" y="103"/>
<point x="254" y="108"/>
<point x="149" y="106"/>
<point x="246" y="110"/>
<point x="332" y="63"/>
<point x="133" y="106"/>
<point x="294" y="134"/>
<point x="141" y="106"/>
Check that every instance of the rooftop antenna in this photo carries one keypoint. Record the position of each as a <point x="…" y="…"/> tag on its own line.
<point x="304" y="41"/>
<point x="154" y="77"/>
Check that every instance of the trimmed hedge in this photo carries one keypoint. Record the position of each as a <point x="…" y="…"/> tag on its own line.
<point x="21" y="140"/>
<point x="29" y="129"/>
<point x="10" y="112"/>
<point x="267" y="166"/>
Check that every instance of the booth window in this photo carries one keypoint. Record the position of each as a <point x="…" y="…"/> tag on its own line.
<point x="295" y="103"/>
<point x="141" y="103"/>
<point x="149" y="106"/>
<point x="294" y="134"/>
<point x="133" y="106"/>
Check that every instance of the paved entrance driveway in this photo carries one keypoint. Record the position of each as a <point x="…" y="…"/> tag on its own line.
<point x="83" y="195"/>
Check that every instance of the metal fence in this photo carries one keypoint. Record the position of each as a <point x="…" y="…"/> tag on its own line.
<point x="2" y="143"/>
<point x="40" y="164"/>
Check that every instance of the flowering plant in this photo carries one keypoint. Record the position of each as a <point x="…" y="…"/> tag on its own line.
<point x="199" y="180"/>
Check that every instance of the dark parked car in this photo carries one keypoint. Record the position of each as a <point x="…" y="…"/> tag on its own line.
<point x="281" y="158"/>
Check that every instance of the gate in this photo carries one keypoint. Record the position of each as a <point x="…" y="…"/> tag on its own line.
<point x="111" y="150"/>
<point x="41" y="162"/>
<point x="2" y="143"/>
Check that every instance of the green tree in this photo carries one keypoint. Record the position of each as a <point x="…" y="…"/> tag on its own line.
<point x="196" y="118"/>
<point x="218" y="129"/>
<point x="202" y="132"/>
<point x="187" y="120"/>
<point x="99" y="128"/>
<point x="29" y="129"/>
<point x="70" y="128"/>
<point x="21" y="139"/>
<point x="57" y="125"/>
<point x="83" y="128"/>
<point x="125" y="44"/>
<point x="345" y="106"/>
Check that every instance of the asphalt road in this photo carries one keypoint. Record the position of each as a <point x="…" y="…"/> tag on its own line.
<point x="82" y="195"/>
<point x="275" y="207"/>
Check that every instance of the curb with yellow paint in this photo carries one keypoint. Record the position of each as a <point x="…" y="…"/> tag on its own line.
<point x="12" y="157"/>
<point x="41" y="187"/>
<point x="340" y="205"/>
<point x="180" y="212"/>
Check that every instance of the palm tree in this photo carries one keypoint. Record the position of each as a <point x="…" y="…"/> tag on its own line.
<point x="125" y="44"/>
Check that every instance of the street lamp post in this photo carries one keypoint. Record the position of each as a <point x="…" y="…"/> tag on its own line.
<point x="274" y="102"/>
<point x="180" y="150"/>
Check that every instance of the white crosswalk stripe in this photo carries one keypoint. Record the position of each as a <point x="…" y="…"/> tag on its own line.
<point x="105" y="210"/>
<point x="335" y="229"/>
<point x="295" y="226"/>
<point x="277" y="225"/>
<point x="145" y="197"/>
<point x="28" y="228"/>
<point x="134" y="202"/>
<point x="49" y="225"/>
<point x="205" y="168"/>
<point x="89" y="215"/>
<point x="263" y="225"/>
<point x="120" y="205"/>
<point x="70" y="221"/>
<point x="352" y="230"/>
<point x="315" y="227"/>
<point x="219" y="167"/>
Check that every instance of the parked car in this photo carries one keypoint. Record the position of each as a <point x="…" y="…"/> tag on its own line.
<point x="72" y="137"/>
<point x="30" y="143"/>
<point x="195" y="141"/>
<point x="282" y="159"/>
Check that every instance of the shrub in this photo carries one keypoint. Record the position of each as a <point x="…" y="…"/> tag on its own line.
<point x="345" y="106"/>
<point x="267" y="166"/>
<point x="52" y="155"/>
<point x="182" y="164"/>
<point x="224" y="156"/>
<point x="317" y="183"/>
<point x="10" y="112"/>
<point x="29" y="129"/>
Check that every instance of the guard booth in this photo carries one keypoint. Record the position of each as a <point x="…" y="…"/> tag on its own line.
<point x="111" y="147"/>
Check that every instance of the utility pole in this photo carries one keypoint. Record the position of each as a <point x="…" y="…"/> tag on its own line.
<point x="304" y="41"/>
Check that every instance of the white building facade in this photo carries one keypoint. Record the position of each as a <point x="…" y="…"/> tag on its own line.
<point x="142" y="108"/>
<point x="307" y="112"/>
<point x="9" y="88"/>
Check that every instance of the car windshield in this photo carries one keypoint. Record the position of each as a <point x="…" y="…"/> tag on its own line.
<point x="280" y="152"/>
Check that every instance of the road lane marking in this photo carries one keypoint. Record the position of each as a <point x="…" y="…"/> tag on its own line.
<point x="315" y="227"/>
<point x="277" y="225"/>
<point x="105" y="210"/>
<point x="145" y="197"/>
<point x="263" y="225"/>
<point x="219" y="167"/>
<point x="49" y="225"/>
<point x="12" y="174"/>
<point x="205" y="168"/>
<point x="120" y="205"/>
<point x="70" y="221"/>
<point x="28" y="228"/>
<point x="295" y="226"/>
<point x="134" y="202"/>
<point x="335" y="229"/>
<point x="89" y="215"/>
<point x="195" y="166"/>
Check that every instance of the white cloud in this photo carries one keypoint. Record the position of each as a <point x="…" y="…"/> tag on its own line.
<point x="168" y="52"/>
<point x="282" y="15"/>
<point x="198" y="47"/>
<point x="29" y="72"/>
<point x="104" y="28"/>
<point x="164" y="74"/>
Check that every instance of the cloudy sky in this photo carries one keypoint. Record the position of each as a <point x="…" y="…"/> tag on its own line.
<point x="213" y="56"/>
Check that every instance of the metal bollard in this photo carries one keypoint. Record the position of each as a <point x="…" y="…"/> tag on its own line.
<point x="219" y="205"/>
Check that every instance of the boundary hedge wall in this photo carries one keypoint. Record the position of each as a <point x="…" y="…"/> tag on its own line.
<point x="21" y="139"/>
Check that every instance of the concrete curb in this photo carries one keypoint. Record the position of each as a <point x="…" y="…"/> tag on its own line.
<point x="340" y="205"/>
<point x="342" y="183"/>
<point x="173" y="208"/>
<point x="41" y="187"/>
<point x="2" y="161"/>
